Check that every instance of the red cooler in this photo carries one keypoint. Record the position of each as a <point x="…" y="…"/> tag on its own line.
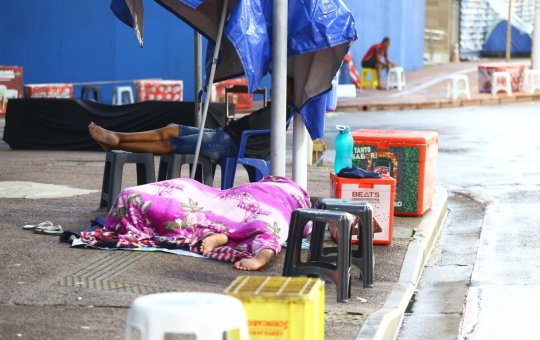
<point x="408" y="156"/>
<point x="379" y="192"/>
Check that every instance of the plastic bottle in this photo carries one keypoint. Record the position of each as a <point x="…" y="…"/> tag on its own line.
<point x="344" y="148"/>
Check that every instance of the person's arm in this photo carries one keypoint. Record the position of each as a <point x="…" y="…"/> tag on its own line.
<point x="388" y="62"/>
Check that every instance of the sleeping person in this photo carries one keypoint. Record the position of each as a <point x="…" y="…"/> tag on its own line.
<point x="246" y="225"/>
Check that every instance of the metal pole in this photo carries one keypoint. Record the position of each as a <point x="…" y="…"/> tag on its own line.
<point x="209" y="88"/>
<point x="536" y="37"/>
<point x="279" y="87"/>
<point x="198" y="75"/>
<point x="509" y="31"/>
<point x="299" y="172"/>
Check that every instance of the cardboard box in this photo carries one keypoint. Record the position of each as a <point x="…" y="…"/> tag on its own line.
<point x="379" y="192"/>
<point x="157" y="89"/>
<point x="12" y="78"/>
<point x="49" y="90"/>
<point x="408" y="156"/>
<point x="281" y="307"/>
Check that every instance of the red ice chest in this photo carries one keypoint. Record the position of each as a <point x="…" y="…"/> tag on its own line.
<point x="379" y="192"/>
<point x="408" y="156"/>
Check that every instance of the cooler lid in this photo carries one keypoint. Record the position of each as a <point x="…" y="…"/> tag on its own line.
<point x="395" y="136"/>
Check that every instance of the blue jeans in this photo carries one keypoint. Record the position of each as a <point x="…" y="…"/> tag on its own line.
<point x="216" y="143"/>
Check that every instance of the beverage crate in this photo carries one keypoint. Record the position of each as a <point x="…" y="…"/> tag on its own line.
<point x="281" y="307"/>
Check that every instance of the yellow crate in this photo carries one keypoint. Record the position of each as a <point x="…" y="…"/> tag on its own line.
<point x="281" y="307"/>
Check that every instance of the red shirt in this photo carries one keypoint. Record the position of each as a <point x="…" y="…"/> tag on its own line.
<point x="377" y="50"/>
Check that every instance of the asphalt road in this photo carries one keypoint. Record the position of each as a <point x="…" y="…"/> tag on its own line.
<point x="490" y="155"/>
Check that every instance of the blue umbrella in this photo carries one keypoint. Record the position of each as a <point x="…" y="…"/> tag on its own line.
<point x="320" y="33"/>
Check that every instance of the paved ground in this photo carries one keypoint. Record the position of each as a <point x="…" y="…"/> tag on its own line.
<point x="49" y="290"/>
<point x="427" y="89"/>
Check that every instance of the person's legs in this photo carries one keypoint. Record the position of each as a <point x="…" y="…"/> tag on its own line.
<point x="255" y="263"/>
<point x="154" y="141"/>
<point x="212" y="241"/>
<point x="378" y="68"/>
<point x="113" y="138"/>
<point x="215" y="144"/>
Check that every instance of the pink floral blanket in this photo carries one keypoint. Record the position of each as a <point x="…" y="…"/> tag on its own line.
<point x="179" y="213"/>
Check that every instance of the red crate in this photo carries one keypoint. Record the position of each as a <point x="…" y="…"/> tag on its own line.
<point x="49" y="90"/>
<point x="485" y="72"/>
<point x="157" y="89"/>
<point x="379" y="192"/>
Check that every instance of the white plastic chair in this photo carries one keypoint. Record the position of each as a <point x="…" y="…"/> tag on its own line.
<point x="458" y="86"/>
<point x="12" y="94"/>
<point x="531" y="81"/>
<point x="501" y="81"/>
<point x="3" y="98"/>
<point x="207" y="315"/>
<point x="396" y="78"/>
<point x="123" y="92"/>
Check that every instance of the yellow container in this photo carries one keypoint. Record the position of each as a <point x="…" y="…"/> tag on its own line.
<point x="281" y="307"/>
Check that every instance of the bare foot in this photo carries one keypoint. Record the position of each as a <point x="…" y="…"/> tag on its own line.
<point x="105" y="138"/>
<point x="255" y="263"/>
<point x="213" y="241"/>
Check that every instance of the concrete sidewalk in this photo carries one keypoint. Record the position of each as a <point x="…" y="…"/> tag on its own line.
<point x="49" y="290"/>
<point x="427" y="89"/>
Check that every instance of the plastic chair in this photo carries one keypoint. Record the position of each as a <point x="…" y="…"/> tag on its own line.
<point x="123" y="95"/>
<point x="112" y="175"/>
<point x="396" y="78"/>
<point x="170" y="166"/>
<point x="501" y="81"/>
<point x="3" y="98"/>
<point x="207" y="315"/>
<point x="458" y="86"/>
<point x="88" y="91"/>
<point x="531" y="81"/>
<point x="362" y="255"/>
<point x="12" y="94"/>
<point x="371" y="81"/>
<point x="256" y="168"/>
<point x="339" y="273"/>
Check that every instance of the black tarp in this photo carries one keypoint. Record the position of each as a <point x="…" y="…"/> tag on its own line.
<point x="62" y="124"/>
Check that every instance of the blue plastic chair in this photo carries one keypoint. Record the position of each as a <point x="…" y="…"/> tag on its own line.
<point x="256" y="168"/>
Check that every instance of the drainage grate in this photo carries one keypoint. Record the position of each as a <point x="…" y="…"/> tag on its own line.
<point x="350" y="318"/>
<point x="97" y="275"/>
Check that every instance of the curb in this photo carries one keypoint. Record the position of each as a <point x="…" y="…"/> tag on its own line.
<point x="385" y="323"/>
<point x="437" y="104"/>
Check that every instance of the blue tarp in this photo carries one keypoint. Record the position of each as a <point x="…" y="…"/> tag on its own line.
<point x="495" y="42"/>
<point x="320" y="33"/>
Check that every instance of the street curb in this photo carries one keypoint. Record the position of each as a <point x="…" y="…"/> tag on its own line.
<point x="437" y="104"/>
<point x="385" y="323"/>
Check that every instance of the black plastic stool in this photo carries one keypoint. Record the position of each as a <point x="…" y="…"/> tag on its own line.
<point x="170" y="166"/>
<point x="338" y="272"/>
<point x="362" y="255"/>
<point x="95" y="91"/>
<point x="112" y="176"/>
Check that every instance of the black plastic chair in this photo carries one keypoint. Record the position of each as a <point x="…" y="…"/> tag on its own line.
<point x="114" y="166"/>
<point x="339" y="272"/>
<point x="91" y="93"/>
<point x="362" y="254"/>
<point x="170" y="166"/>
